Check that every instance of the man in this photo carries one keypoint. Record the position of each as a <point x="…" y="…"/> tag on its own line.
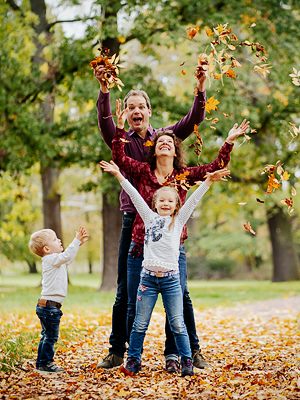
<point x="140" y="131"/>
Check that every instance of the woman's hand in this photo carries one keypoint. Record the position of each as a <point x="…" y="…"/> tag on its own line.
<point x="237" y="131"/>
<point x="217" y="175"/>
<point x="120" y="114"/>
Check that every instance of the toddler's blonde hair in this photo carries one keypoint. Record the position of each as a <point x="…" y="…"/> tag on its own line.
<point x="38" y="240"/>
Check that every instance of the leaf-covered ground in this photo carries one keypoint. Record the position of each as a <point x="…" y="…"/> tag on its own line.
<point x="252" y="350"/>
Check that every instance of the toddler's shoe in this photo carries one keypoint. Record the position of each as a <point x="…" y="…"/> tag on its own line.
<point x="131" y="367"/>
<point x="187" y="366"/>
<point x="50" y="368"/>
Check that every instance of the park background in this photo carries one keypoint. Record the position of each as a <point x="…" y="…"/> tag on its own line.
<point x="50" y="146"/>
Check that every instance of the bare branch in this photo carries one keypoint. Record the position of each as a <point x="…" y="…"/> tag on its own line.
<point x="60" y="21"/>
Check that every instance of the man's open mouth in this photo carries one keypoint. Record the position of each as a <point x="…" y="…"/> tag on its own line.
<point x="137" y="119"/>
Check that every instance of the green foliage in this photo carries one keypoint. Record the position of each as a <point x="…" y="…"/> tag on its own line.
<point x="18" y="215"/>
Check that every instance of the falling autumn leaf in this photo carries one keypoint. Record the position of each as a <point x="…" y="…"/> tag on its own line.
<point x="262" y="69"/>
<point x="230" y="74"/>
<point x="211" y="104"/>
<point x="295" y="77"/>
<point x="192" y="31"/>
<point x="183" y="176"/>
<point x="273" y="184"/>
<point x="149" y="143"/>
<point x="248" y="228"/>
<point x="294" y="131"/>
<point x="285" y="176"/>
<point x="198" y="144"/>
<point x="209" y="32"/>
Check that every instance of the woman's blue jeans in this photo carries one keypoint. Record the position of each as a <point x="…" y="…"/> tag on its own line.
<point x="50" y="320"/>
<point x="134" y="267"/>
<point x="148" y="290"/>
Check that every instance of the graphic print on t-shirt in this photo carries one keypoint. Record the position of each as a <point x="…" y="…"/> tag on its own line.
<point x="154" y="231"/>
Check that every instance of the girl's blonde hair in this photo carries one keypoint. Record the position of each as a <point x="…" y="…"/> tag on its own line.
<point x="178" y="201"/>
<point x="38" y="240"/>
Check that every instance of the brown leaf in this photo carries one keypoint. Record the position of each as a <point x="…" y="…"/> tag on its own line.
<point x="248" y="228"/>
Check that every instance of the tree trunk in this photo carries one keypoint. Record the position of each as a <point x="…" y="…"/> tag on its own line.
<point x="49" y="174"/>
<point x="111" y="233"/>
<point x="111" y="214"/>
<point x="32" y="266"/>
<point x="51" y="200"/>
<point x="285" y="259"/>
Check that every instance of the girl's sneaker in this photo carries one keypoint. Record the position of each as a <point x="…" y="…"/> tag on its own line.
<point x="131" y="367"/>
<point x="187" y="367"/>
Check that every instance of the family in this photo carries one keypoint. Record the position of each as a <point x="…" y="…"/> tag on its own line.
<point x="151" y="257"/>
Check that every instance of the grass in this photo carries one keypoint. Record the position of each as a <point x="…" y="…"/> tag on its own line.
<point x="18" y="293"/>
<point x="19" y="327"/>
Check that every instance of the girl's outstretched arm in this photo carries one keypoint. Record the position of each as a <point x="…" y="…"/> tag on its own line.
<point x="113" y="169"/>
<point x="139" y="203"/>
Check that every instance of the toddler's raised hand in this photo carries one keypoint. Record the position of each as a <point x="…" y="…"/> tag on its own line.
<point x="82" y="235"/>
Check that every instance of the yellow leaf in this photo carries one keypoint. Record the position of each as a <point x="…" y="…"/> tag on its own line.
<point x="211" y="104"/>
<point x="285" y="176"/>
<point x="209" y="32"/>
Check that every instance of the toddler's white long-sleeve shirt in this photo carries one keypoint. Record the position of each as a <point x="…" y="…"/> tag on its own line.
<point x="55" y="272"/>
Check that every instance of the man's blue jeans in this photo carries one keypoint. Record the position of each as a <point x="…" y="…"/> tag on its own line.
<point x="148" y="290"/>
<point x="118" y="336"/>
<point x="134" y="267"/>
<point x="50" y="319"/>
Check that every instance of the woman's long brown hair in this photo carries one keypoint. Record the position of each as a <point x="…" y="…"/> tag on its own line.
<point x="178" y="162"/>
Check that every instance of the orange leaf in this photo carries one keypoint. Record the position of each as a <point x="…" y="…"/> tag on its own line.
<point x="209" y="32"/>
<point x="230" y="74"/>
<point x="192" y="32"/>
<point x="148" y="143"/>
<point x="273" y="184"/>
<point x="248" y="228"/>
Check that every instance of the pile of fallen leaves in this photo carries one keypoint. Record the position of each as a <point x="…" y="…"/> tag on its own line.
<point x="252" y="355"/>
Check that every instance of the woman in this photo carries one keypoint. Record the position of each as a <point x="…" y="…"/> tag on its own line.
<point x="165" y="167"/>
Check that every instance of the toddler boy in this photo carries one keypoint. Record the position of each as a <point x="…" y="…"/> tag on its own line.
<point x="55" y="261"/>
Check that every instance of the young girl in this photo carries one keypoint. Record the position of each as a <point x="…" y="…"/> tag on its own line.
<point x="160" y="272"/>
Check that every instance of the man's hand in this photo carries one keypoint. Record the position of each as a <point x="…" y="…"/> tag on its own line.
<point x="98" y="73"/>
<point x="82" y="235"/>
<point x="200" y="74"/>
<point x="120" y="114"/>
<point x="237" y="131"/>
